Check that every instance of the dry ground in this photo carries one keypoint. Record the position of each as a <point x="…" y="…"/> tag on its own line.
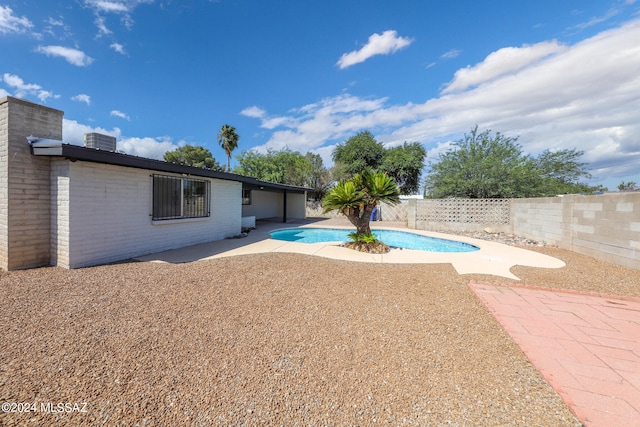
<point x="275" y="339"/>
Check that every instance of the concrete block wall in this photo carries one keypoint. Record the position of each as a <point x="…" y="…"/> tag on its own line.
<point x="24" y="182"/>
<point x="107" y="216"/>
<point x="606" y="227"/>
<point x="4" y="184"/>
<point x="539" y="219"/>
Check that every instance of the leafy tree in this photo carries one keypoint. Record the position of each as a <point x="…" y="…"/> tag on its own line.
<point x="598" y="189"/>
<point x="320" y="177"/>
<point x="404" y="164"/>
<point x="493" y="166"/>
<point x="284" y="166"/>
<point x="627" y="186"/>
<point x="356" y="197"/>
<point x="560" y="171"/>
<point x="482" y="166"/>
<point x="358" y="153"/>
<point x="190" y="155"/>
<point x="228" y="140"/>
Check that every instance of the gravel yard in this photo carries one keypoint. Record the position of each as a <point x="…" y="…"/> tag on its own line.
<point x="275" y="339"/>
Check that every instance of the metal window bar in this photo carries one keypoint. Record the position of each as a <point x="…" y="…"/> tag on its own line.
<point x="175" y="197"/>
<point x="195" y="202"/>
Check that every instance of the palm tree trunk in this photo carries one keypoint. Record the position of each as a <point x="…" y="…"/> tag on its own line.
<point x="361" y="222"/>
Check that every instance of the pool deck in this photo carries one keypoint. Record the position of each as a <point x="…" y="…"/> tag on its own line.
<point x="492" y="258"/>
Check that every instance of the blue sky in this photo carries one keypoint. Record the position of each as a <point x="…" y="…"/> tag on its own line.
<point x="306" y="75"/>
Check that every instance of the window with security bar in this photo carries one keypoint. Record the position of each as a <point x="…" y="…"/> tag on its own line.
<point x="176" y="197"/>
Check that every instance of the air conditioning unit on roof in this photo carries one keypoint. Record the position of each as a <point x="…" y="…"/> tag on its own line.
<point x="99" y="141"/>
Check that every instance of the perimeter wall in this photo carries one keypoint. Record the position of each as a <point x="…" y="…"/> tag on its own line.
<point x="605" y="226"/>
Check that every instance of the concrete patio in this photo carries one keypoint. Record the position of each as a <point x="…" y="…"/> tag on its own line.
<point x="492" y="258"/>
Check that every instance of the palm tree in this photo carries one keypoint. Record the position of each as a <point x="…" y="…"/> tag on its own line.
<point x="228" y="140"/>
<point x="356" y="197"/>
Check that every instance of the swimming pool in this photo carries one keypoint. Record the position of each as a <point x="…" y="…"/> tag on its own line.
<point x="398" y="239"/>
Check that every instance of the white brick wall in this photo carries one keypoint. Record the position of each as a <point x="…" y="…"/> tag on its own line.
<point x="4" y="185"/>
<point x="108" y="217"/>
<point x="59" y="178"/>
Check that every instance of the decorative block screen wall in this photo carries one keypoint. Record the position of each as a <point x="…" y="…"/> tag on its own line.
<point x="465" y="211"/>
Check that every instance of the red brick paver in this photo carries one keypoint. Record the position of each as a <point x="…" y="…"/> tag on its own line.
<point x="587" y="347"/>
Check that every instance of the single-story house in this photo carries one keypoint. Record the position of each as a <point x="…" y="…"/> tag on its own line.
<point x="74" y="206"/>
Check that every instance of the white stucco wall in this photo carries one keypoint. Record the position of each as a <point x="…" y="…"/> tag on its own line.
<point x="103" y="214"/>
<point x="270" y="204"/>
<point x="296" y="205"/>
<point x="264" y="204"/>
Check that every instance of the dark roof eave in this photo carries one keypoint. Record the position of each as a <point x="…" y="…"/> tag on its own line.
<point x="75" y="152"/>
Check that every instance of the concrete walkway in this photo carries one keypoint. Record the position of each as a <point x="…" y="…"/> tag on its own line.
<point x="492" y="258"/>
<point x="587" y="347"/>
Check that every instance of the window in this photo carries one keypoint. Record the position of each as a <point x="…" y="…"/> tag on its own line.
<point x="246" y="197"/>
<point x="175" y="197"/>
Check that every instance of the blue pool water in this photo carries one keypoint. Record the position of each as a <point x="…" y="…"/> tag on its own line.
<point x="398" y="239"/>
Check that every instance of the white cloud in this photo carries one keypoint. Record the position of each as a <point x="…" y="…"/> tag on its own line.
<point x="117" y="113"/>
<point x="24" y="90"/>
<point x="152" y="148"/>
<point x="82" y="98"/>
<point x="102" y="26"/>
<point x="109" y="6"/>
<point x="253" y="111"/>
<point x="57" y="28"/>
<point x="118" y="48"/>
<point x="149" y="147"/>
<point x="453" y="53"/>
<point x="330" y="119"/>
<point x="72" y="56"/>
<point x="124" y="8"/>
<point x="73" y="132"/>
<point x="504" y="61"/>
<point x="378" y="44"/>
<point x="613" y="11"/>
<point x="583" y="96"/>
<point x="9" y="23"/>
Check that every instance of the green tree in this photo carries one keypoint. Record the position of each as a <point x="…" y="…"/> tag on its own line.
<point x="627" y="186"/>
<point x="358" y="153"/>
<point x="228" y="140"/>
<point x="482" y="165"/>
<point x="190" y="155"/>
<point x="560" y="172"/>
<point x="404" y="164"/>
<point x="320" y="177"/>
<point x="356" y="197"/>
<point x="283" y="166"/>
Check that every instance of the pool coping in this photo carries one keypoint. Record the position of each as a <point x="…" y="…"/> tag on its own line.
<point x="452" y="239"/>
<point x="492" y="258"/>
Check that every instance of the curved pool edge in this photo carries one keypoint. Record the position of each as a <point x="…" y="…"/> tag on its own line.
<point x="450" y="239"/>
<point x="492" y="258"/>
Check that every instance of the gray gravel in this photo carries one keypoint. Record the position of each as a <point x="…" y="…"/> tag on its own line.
<point x="275" y="339"/>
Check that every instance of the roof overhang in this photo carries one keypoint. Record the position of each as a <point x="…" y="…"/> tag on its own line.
<point x="48" y="147"/>
<point x="45" y="147"/>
